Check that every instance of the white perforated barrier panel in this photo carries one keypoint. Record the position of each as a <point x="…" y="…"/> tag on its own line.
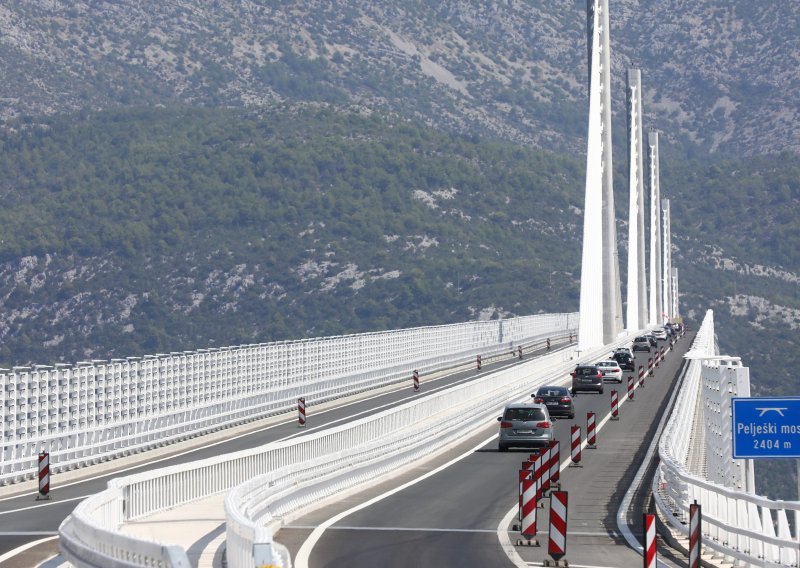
<point x="98" y="410"/>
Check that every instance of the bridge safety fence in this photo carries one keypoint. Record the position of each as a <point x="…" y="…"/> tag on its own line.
<point x="97" y="410"/>
<point x="737" y="524"/>
<point x="281" y="477"/>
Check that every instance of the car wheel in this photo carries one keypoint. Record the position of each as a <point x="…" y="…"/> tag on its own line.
<point x="572" y="416"/>
<point x="502" y="448"/>
<point x="600" y="391"/>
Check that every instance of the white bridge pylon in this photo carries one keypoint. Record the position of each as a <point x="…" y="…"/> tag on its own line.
<point x="601" y="300"/>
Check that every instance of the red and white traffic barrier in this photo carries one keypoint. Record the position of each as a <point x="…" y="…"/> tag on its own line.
<point x="663" y="354"/>
<point x="557" y="547"/>
<point x="544" y="477"/>
<point x="650" y="366"/>
<point x="649" y="540"/>
<point x="641" y="375"/>
<point x="519" y="351"/>
<point x="591" y="437"/>
<point x="44" y="476"/>
<point x="301" y="411"/>
<point x="527" y="525"/>
<point x="576" y="446"/>
<point x="555" y="463"/>
<point x="526" y="468"/>
<point x="630" y="387"/>
<point x="695" y="538"/>
<point x="478" y="362"/>
<point x="614" y="405"/>
<point x="415" y="376"/>
<point x="540" y="467"/>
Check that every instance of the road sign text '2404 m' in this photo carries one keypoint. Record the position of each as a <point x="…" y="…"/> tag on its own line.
<point x="766" y="427"/>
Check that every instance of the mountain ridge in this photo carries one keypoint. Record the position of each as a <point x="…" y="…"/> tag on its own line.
<point x="719" y="78"/>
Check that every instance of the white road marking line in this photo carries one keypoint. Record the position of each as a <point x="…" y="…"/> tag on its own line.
<point x="572" y="565"/>
<point x="430" y="529"/>
<point x="48" y="504"/>
<point x="28" y="533"/>
<point x="20" y="549"/>
<point x="303" y="555"/>
<point x="392" y="529"/>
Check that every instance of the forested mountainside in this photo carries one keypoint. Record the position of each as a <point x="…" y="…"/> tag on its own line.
<point x="178" y="175"/>
<point x="138" y="231"/>
<point x="718" y="76"/>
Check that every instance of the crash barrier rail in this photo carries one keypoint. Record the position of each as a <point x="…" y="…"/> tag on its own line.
<point x="737" y="525"/>
<point x="291" y="473"/>
<point x="258" y="505"/>
<point x="97" y="410"/>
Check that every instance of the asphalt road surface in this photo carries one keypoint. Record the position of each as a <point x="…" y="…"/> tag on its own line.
<point x="24" y="520"/>
<point x="447" y="511"/>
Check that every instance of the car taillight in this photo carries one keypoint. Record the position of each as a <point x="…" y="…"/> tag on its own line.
<point x="544" y="424"/>
<point x="600" y="375"/>
<point x="566" y="399"/>
<point x="573" y="373"/>
<point x="538" y="399"/>
<point x="505" y="424"/>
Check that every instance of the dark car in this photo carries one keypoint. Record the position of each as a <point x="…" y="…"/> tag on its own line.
<point x="641" y="343"/>
<point x="624" y="360"/>
<point x="587" y="377"/>
<point x="652" y="339"/>
<point x="558" y="400"/>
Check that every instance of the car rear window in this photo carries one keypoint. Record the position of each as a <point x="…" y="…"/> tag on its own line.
<point x="585" y="371"/>
<point x="551" y="391"/>
<point x="526" y="414"/>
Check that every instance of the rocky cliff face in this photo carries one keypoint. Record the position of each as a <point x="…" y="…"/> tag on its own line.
<point x="722" y="77"/>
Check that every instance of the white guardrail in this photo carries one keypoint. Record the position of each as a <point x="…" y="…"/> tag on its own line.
<point x="737" y="524"/>
<point x="374" y="446"/>
<point x="91" y="537"/>
<point x="98" y="410"/>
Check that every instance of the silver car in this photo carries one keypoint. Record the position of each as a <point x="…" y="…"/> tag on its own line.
<point x="525" y="425"/>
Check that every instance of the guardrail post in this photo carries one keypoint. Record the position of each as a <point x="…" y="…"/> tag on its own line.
<point x="416" y="380"/>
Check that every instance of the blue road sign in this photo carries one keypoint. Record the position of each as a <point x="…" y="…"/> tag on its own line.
<point x="766" y="427"/>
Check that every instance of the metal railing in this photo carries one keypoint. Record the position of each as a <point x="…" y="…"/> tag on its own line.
<point x="95" y="524"/>
<point x="99" y="410"/>
<point x="299" y="471"/>
<point x="736" y="523"/>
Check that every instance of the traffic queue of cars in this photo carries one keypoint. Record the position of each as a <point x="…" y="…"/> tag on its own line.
<point x="531" y="424"/>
